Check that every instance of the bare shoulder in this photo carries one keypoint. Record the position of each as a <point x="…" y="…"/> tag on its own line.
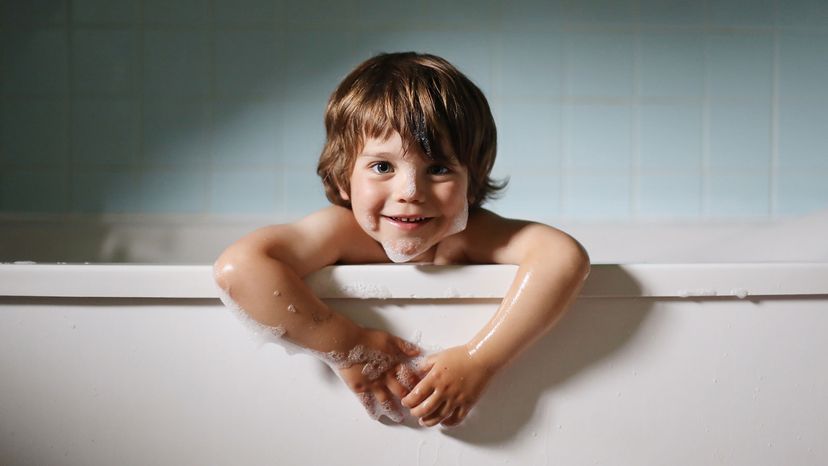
<point x="491" y="238"/>
<point x="325" y="237"/>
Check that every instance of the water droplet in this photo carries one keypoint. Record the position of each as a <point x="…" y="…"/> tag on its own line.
<point x="277" y="293"/>
<point x="291" y="308"/>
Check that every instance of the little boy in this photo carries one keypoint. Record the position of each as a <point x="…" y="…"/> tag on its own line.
<point x="410" y="147"/>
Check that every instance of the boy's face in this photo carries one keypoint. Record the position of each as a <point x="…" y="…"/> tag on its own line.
<point x="405" y="201"/>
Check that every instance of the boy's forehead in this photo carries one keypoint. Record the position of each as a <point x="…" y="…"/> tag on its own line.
<point x="392" y="144"/>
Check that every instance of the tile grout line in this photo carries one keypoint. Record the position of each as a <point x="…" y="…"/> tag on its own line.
<point x="69" y="192"/>
<point x="635" y="127"/>
<point x="773" y="192"/>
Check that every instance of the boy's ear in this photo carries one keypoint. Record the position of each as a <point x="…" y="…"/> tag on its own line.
<point x="344" y="195"/>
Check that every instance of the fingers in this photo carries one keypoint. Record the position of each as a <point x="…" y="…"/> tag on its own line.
<point x="431" y="404"/>
<point x="379" y="402"/>
<point x="426" y="365"/>
<point x="407" y="377"/>
<point x="436" y="416"/>
<point x="417" y="395"/>
<point x="368" y="402"/>
<point x="409" y="349"/>
<point x="458" y="416"/>
<point x="386" y="406"/>
<point x="393" y="384"/>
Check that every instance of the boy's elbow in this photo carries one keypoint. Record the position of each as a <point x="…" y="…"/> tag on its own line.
<point x="580" y="259"/>
<point x="228" y="265"/>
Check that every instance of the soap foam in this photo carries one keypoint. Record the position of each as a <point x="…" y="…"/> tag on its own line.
<point x="459" y="223"/>
<point x="363" y="290"/>
<point x="258" y="331"/>
<point x="411" y="183"/>
<point x="404" y="249"/>
<point x="369" y="223"/>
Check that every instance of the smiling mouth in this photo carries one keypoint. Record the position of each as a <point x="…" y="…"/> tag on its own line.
<point x="410" y="219"/>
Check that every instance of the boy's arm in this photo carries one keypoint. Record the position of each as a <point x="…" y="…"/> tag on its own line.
<point x="262" y="273"/>
<point x="552" y="268"/>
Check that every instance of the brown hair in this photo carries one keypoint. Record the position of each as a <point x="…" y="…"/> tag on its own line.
<point x="427" y="101"/>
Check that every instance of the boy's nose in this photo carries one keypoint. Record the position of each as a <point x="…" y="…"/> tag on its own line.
<point x="409" y="187"/>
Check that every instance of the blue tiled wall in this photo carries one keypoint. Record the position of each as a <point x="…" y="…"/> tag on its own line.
<point x="607" y="110"/>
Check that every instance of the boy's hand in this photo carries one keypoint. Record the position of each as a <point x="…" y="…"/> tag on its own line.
<point x="452" y="385"/>
<point x="379" y="373"/>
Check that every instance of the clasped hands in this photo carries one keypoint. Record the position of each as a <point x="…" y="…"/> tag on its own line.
<point x="442" y="389"/>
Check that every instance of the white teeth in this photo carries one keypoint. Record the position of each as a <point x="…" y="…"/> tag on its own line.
<point x="409" y="220"/>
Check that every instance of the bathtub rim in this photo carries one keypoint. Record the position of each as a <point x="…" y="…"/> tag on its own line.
<point x="420" y="281"/>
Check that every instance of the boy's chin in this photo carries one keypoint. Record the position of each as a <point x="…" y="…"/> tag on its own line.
<point x="401" y="250"/>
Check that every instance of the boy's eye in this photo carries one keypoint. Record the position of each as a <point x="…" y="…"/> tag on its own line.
<point x="438" y="170"/>
<point x="381" y="167"/>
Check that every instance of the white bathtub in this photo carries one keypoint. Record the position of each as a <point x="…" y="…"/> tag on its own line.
<point x="655" y="364"/>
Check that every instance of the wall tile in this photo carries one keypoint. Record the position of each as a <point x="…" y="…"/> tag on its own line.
<point x="248" y="63"/>
<point x="740" y="136"/>
<point x="529" y="136"/>
<point x="176" y="63"/>
<point x="179" y="12"/>
<point x="735" y="195"/>
<point x="597" y="137"/>
<point x="171" y="191"/>
<point x="42" y="191"/>
<point x="597" y="197"/>
<point x="304" y="130"/>
<point x="303" y="193"/>
<point x="599" y="11"/>
<point x="751" y="13"/>
<point x="801" y="193"/>
<point x="316" y="59"/>
<point x="672" y="64"/>
<point x="803" y="133"/>
<point x="373" y="12"/>
<point x="105" y="11"/>
<point x="670" y="137"/>
<point x="669" y="196"/>
<point x="598" y="64"/>
<point x="108" y="191"/>
<point x="803" y="14"/>
<point x="105" y="132"/>
<point x="105" y="62"/>
<point x="32" y="12"/>
<point x="34" y="62"/>
<point x="248" y="12"/>
<point x="740" y="65"/>
<point x="803" y="64"/>
<point x="315" y="11"/>
<point x="530" y="196"/>
<point x="246" y="192"/>
<point x="462" y="10"/>
<point x="530" y="14"/>
<point x="177" y="133"/>
<point x="671" y="12"/>
<point x="530" y="64"/>
<point x="248" y="133"/>
<point x="34" y="133"/>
